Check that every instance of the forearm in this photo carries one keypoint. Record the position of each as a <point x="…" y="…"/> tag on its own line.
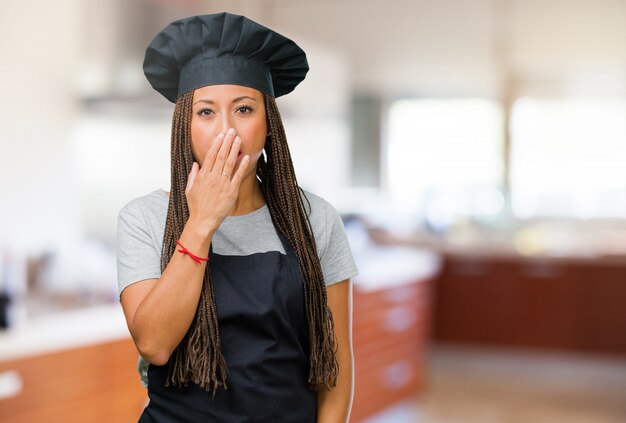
<point x="167" y="311"/>
<point x="334" y="406"/>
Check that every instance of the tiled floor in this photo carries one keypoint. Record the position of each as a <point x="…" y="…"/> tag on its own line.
<point x="480" y="385"/>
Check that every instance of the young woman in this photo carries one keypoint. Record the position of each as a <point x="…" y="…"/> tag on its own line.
<point x="235" y="285"/>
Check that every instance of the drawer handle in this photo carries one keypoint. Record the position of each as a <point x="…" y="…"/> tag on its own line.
<point x="399" y="319"/>
<point x="10" y="384"/>
<point x="400" y="295"/>
<point x="398" y="374"/>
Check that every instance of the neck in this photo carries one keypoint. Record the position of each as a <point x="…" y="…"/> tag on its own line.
<point x="250" y="197"/>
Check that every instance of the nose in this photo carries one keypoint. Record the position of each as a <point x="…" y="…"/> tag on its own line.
<point x="226" y="123"/>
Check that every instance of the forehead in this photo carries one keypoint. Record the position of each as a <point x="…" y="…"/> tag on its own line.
<point x="225" y="92"/>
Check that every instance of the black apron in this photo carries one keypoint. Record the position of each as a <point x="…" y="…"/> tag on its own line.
<point x="264" y="338"/>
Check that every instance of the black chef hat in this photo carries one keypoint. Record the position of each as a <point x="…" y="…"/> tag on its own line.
<point x="222" y="48"/>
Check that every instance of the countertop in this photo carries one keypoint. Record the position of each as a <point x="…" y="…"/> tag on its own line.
<point x="47" y="332"/>
<point x="63" y="330"/>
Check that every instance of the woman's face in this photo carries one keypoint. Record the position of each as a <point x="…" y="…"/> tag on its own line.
<point x="217" y="108"/>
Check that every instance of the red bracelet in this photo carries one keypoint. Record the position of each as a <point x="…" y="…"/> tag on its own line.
<point x="193" y="256"/>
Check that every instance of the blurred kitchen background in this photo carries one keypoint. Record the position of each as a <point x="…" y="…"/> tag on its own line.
<point x="476" y="150"/>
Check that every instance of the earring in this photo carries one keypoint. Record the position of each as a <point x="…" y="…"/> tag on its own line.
<point x="268" y="134"/>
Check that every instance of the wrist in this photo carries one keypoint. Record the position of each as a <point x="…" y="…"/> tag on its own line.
<point x="199" y="230"/>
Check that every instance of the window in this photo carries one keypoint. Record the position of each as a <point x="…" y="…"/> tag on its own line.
<point x="568" y="158"/>
<point x="444" y="158"/>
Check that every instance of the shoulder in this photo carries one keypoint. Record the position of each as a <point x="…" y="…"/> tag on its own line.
<point x="313" y="203"/>
<point x="331" y="240"/>
<point x="151" y="204"/>
<point x="323" y="216"/>
<point x="316" y="208"/>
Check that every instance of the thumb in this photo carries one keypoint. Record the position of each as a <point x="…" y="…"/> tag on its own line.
<point x="192" y="176"/>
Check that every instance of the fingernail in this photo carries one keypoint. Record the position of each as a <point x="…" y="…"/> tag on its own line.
<point x="220" y="135"/>
<point x="237" y="140"/>
<point x="231" y="131"/>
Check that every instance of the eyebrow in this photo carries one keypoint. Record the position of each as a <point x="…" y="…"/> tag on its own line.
<point x="204" y="100"/>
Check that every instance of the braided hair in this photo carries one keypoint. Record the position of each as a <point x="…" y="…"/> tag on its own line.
<point x="198" y="357"/>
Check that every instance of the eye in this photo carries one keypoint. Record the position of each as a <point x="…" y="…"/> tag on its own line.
<point x="244" y="109"/>
<point x="204" y="112"/>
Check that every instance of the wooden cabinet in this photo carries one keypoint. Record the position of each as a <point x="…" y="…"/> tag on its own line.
<point x="100" y="382"/>
<point x="390" y="331"/>
<point x="523" y="302"/>
<point x="97" y="383"/>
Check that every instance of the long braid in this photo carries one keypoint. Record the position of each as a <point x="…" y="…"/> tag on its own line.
<point x="198" y="357"/>
<point x="285" y="202"/>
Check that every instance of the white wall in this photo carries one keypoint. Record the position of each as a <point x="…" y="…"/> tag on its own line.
<point x="403" y="45"/>
<point x="38" y="41"/>
<point x="456" y="47"/>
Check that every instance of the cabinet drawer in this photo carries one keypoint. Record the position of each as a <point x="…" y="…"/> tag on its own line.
<point x="368" y="301"/>
<point x="95" y="382"/>
<point x="395" y="374"/>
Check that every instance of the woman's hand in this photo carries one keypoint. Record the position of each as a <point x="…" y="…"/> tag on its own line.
<point x="159" y="311"/>
<point x="212" y="189"/>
